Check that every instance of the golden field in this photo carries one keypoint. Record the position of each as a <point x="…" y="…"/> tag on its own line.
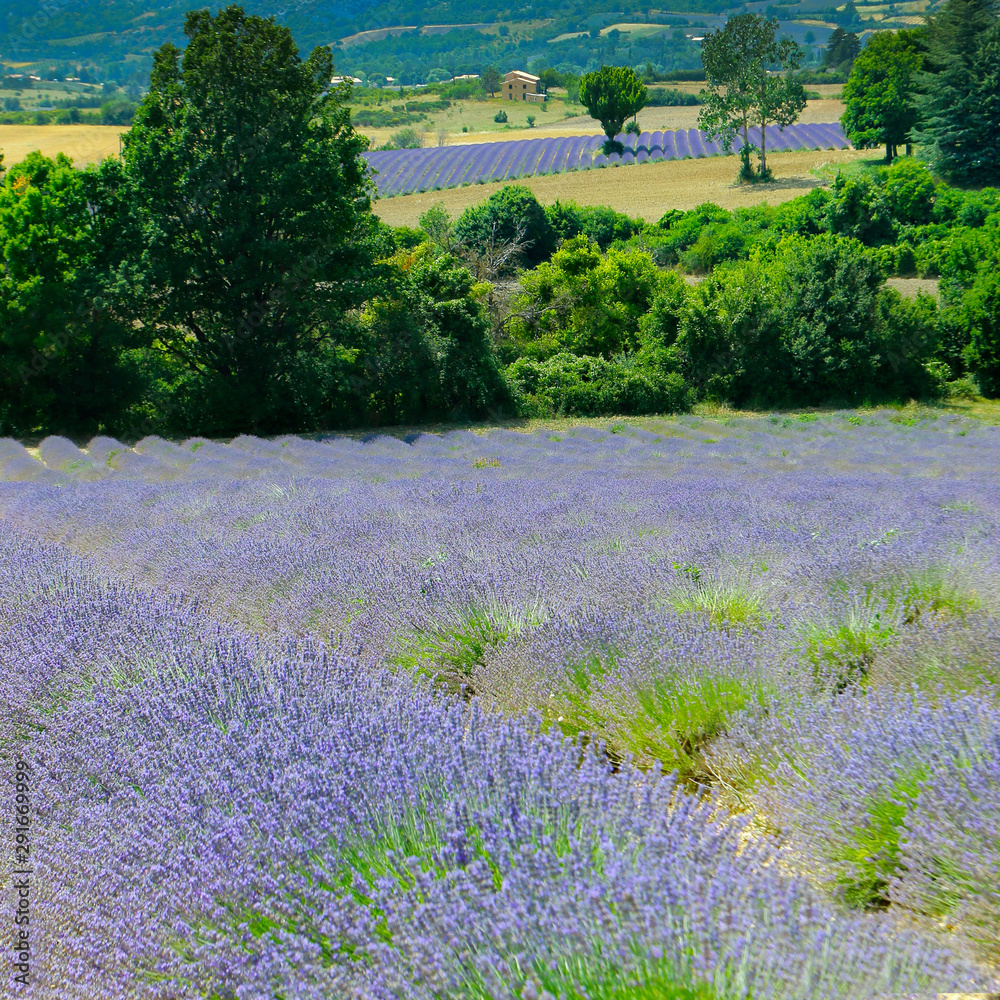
<point x="81" y="143"/>
<point x="645" y="191"/>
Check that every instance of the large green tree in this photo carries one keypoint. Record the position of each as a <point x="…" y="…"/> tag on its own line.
<point x="880" y="95"/>
<point x="956" y="94"/>
<point x="253" y="208"/>
<point x="743" y="90"/>
<point x="612" y="94"/>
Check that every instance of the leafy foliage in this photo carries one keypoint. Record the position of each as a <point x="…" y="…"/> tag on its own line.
<point x="510" y="216"/>
<point x="66" y="354"/>
<point x="980" y="309"/>
<point x="423" y="347"/>
<point x="568" y="384"/>
<point x="612" y="94"/>
<point x="742" y="92"/>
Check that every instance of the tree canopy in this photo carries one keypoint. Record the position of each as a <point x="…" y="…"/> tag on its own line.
<point x="743" y="92"/>
<point x="490" y="80"/>
<point x="253" y="208"/>
<point x="842" y="49"/>
<point x="612" y="94"/>
<point x="881" y="92"/>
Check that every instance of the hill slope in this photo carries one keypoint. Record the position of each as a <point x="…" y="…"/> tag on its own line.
<point x="125" y="32"/>
<point x="85" y="27"/>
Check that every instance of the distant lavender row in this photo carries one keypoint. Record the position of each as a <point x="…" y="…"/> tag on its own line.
<point x="402" y="171"/>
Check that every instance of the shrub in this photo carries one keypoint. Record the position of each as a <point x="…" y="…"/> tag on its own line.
<point x="585" y="302"/>
<point x="678" y="231"/>
<point x="811" y="324"/>
<point x="909" y="189"/>
<point x="859" y="208"/>
<point x="423" y="349"/>
<point x="830" y="319"/>
<point x="729" y="335"/>
<point x="500" y="117"/>
<point x="670" y="97"/>
<point x="407" y="138"/>
<point x="716" y="244"/>
<point x="505" y="214"/>
<point x="981" y="309"/>
<point x="601" y="224"/>
<point x="573" y="385"/>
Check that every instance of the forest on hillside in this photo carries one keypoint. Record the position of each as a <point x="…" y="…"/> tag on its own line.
<point x="118" y="37"/>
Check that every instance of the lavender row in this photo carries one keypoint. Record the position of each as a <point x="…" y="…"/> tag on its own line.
<point x="404" y="171"/>
<point x="800" y="614"/>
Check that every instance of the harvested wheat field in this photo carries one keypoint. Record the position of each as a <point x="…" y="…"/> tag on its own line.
<point x="644" y="191"/>
<point x="81" y="143"/>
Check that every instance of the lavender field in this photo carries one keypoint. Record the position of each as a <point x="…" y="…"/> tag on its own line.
<point x="403" y="171"/>
<point x="703" y="709"/>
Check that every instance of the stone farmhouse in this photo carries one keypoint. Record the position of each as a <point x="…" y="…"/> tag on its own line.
<point x="521" y="86"/>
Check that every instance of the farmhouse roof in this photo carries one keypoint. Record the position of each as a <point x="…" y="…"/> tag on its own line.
<point x="519" y="74"/>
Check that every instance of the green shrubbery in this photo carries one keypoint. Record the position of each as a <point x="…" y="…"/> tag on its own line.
<point x="124" y="323"/>
<point x="783" y="318"/>
<point x="510" y="216"/>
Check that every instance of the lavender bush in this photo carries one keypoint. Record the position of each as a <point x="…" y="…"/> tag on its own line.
<point x="701" y="709"/>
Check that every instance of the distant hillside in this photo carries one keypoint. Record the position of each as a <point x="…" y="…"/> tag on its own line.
<point x="118" y="36"/>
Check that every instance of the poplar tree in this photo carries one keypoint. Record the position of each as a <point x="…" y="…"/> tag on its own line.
<point x="743" y="92"/>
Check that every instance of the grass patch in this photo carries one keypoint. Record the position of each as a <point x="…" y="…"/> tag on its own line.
<point x="841" y="655"/>
<point x="680" y="716"/>
<point x="726" y="605"/>
<point x="451" y="651"/>
<point x="935" y="590"/>
<point x="873" y="851"/>
<point x="593" y="977"/>
<point x="667" y="721"/>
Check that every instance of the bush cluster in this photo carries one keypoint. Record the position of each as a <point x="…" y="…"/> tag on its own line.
<point x="793" y="309"/>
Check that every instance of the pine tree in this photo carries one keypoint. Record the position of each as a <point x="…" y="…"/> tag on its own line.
<point x="985" y="155"/>
<point x="950" y="105"/>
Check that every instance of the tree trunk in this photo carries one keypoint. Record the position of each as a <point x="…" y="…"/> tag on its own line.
<point x="763" y="151"/>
